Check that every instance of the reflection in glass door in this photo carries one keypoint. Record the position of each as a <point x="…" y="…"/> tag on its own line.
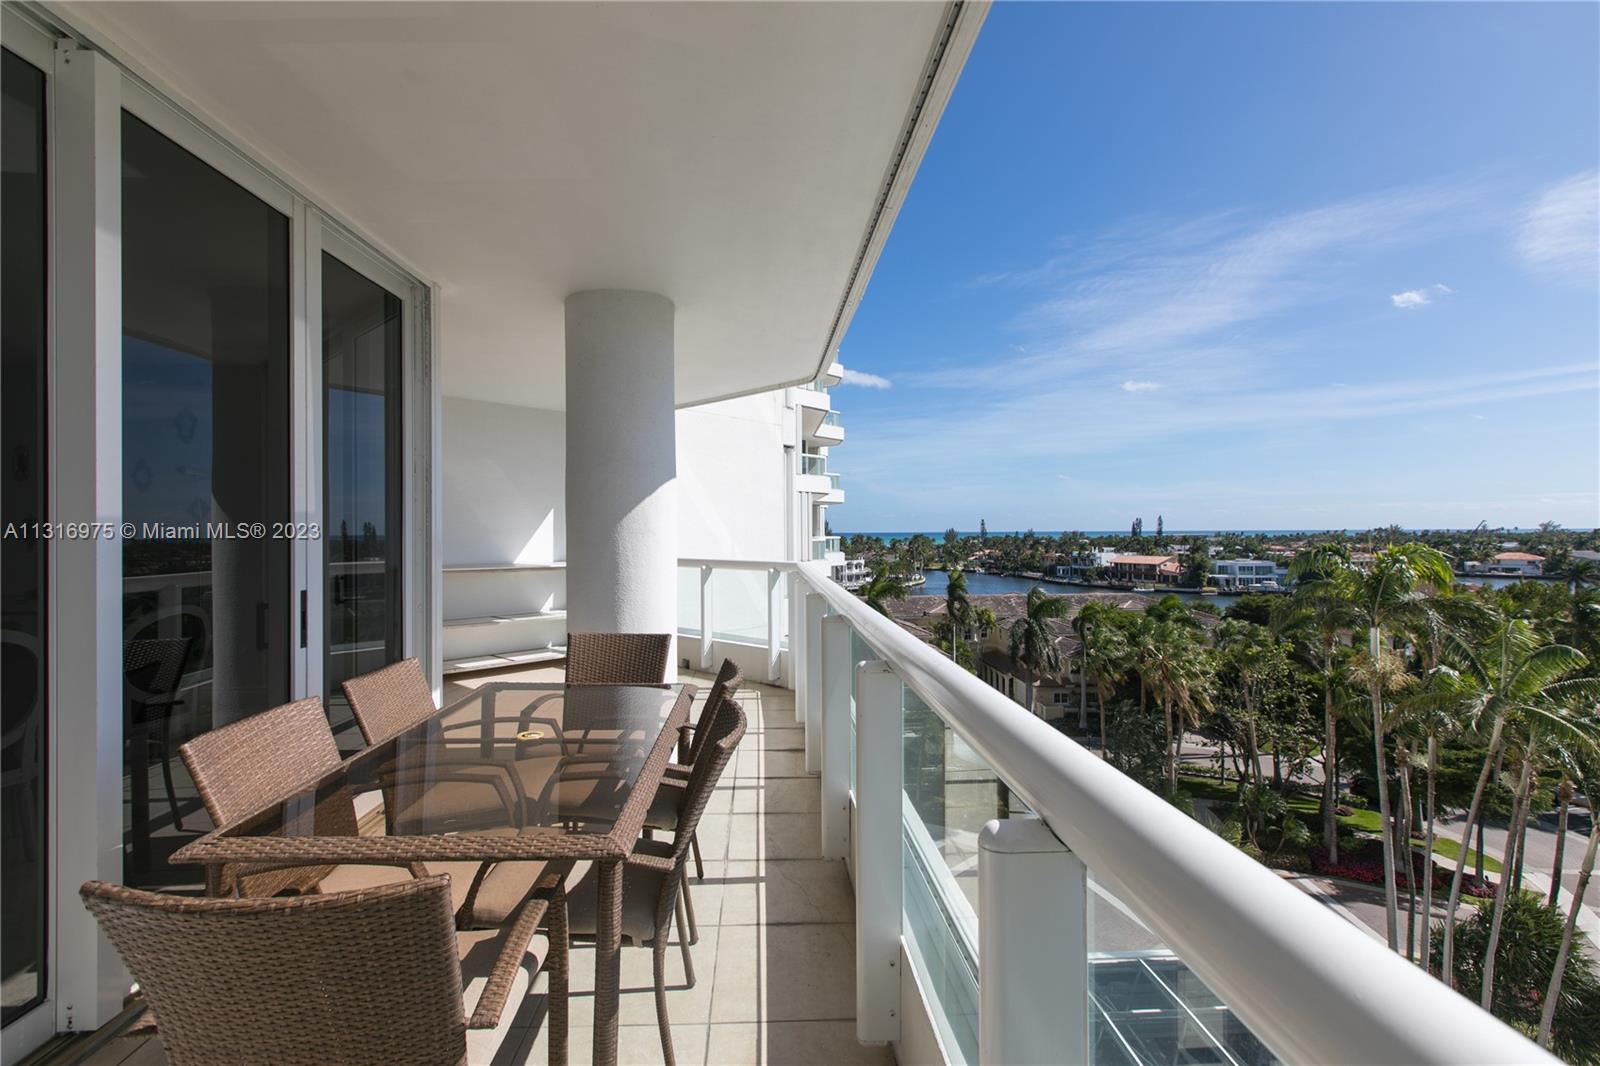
<point x="23" y="584"/>
<point x="362" y="518"/>
<point x="206" y="476"/>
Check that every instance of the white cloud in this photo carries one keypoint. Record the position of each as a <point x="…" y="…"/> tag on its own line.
<point x="1412" y="299"/>
<point x="1560" y="231"/>
<point x="865" y="380"/>
<point x="1140" y="386"/>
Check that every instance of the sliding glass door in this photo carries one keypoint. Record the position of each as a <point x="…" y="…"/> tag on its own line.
<point x="208" y="608"/>
<point x="24" y="875"/>
<point x="363" y="330"/>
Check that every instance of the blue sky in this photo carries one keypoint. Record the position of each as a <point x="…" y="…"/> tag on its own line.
<point x="1246" y="266"/>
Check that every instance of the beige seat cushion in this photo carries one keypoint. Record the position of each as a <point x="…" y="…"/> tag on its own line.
<point x="351" y="878"/>
<point x="664" y="808"/>
<point x="477" y="951"/>
<point x="504" y="887"/>
<point x="641" y="891"/>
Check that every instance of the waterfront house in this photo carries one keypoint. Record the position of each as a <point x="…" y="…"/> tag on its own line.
<point x="1524" y="564"/>
<point x="1144" y="569"/>
<point x="1243" y="575"/>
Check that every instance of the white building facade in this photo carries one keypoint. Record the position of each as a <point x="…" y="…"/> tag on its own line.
<point x="1232" y="575"/>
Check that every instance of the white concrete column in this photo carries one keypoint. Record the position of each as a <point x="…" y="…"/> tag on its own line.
<point x="622" y="500"/>
<point x="1033" y="946"/>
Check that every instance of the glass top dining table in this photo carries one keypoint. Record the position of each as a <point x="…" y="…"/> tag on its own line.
<point x="510" y="772"/>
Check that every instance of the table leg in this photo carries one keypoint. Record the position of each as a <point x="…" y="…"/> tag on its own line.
<point x="607" y="961"/>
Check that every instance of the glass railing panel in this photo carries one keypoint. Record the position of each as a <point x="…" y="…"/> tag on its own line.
<point x="739" y="606"/>
<point x="859" y="653"/>
<point x="814" y="464"/>
<point x="1147" y="1006"/>
<point x="950" y="794"/>
<point x="689" y="600"/>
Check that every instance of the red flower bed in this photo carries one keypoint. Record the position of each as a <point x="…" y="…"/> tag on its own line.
<point x="1364" y="863"/>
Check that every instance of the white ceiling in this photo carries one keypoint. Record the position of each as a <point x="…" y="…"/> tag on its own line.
<point x="728" y="156"/>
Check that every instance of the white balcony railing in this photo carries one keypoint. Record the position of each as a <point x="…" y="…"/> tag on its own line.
<point x="816" y="465"/>
<point x="1108" y="925"/>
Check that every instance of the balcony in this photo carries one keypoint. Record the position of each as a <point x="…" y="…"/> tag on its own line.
<point x="822" y="427"/>
<point x="812" y="476"/>
<point x="1015" y="899"/>
<point x="822" y="547"/>
<point x="903" y="865"/>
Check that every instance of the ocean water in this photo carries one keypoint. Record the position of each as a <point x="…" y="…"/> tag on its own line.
<point x="937" y="535"/>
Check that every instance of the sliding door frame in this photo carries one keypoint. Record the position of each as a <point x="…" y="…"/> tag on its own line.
<point x="89" y="83"/>
<point x="323" y="235"/>
<point x="35" y="46"/>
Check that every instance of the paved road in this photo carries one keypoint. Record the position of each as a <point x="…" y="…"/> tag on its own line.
<point x="1542" y="850"/>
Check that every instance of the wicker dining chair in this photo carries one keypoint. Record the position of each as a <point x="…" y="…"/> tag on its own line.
<point x="618" y="658"/>
<point x="654" y="874"/>
<point x="663" y="813"/>
<point x="249" y="765"/>
<point x="152" y="670"/>
<point x="390" y="700"/>
<point x="397" y="697"/>
<point x="373" y="976"/>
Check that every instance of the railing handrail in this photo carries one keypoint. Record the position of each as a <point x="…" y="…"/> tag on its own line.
<point x="1308" y="983"/>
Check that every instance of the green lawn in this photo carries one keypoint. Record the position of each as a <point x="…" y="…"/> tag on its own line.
<point x="1367" y="821"/>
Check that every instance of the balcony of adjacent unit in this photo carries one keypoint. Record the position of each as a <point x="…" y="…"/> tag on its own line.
<point x="824" y="549"/>
<point x="821" y="428"/>
<point x="812" y="474"/>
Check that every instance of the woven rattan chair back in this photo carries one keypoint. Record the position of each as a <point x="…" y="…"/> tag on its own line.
<point x="358" y="977"/>
<point x="390" y="700"/>
<point x="152" y="669"/>
<point x="256" y="761"/>
<point x="618" y="658"/>
<point x="727" y="684"/>
<point x="727" y="729"/>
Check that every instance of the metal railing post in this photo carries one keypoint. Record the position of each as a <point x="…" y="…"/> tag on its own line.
<point x="705" y="617"/>
<point x="1033" y="946"/>
<point x="878" y="870"/>
<point x="812" y="710"/>
<point x="774" y="629"/>
<point x="838" y="710"/>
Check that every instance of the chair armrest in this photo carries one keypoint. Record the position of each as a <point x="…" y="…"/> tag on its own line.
<point x="548" y="897"/>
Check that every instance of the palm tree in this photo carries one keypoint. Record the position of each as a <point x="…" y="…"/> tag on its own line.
<point x="1321" y="613"/>
<point x="1173" y="665"/>
<point x="1552" y="994"/>
<point x="1032" y="646"/>
<point x="883" y="586"/>
<point x="1435" y="720"/>
<point x="1090" y="621"/>
<point x="1246" y="646"/>
<point x="1542" y="724"/>
<point x="1391" y="591"/>
<point x="1107" y="655"/>
<point x="958" y="606"/>
<point x="1511" y="675"/>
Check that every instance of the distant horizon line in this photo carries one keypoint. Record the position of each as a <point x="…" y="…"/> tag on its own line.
<point x="897" y="533"/>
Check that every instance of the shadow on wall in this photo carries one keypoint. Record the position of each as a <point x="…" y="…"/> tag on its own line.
<point x="504" y="477"/>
